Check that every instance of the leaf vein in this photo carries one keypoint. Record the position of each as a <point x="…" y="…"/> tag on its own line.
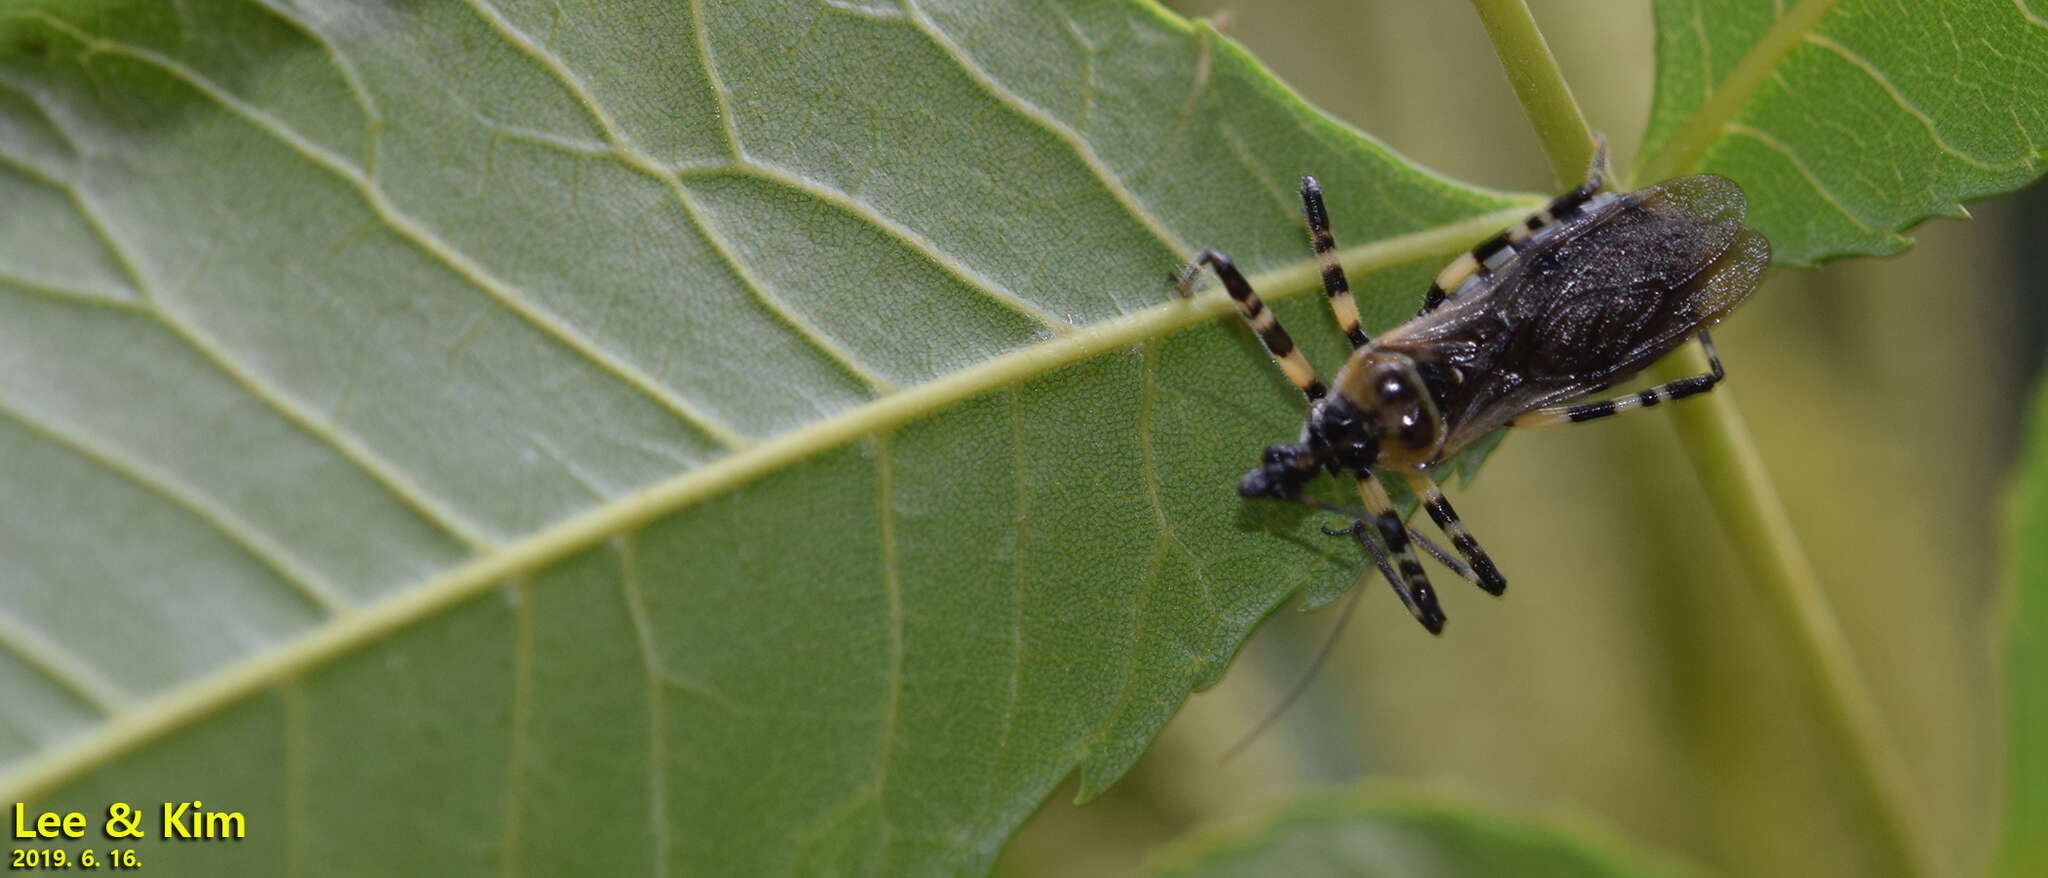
<point x="1690" y="142"/>
<point x="2029" y="15"/>
<point x="812" y="335"/>
<point x="657" y="731"/>
<point x="859" y="11"/>
<point x="1877" y="76"/>
<point x="719" y="95"/>
<point x="297" y="750"/>
<point x="373" y="121"/>
<point x="389" y="477"/>
<point x="1147" y="404"/>
<point x="522" y="714"/>
<point x="418" y="234"/>
<point x="1088" y="53"/>
<point x="892" y="587"/>
<point x="290" y="571"/>
<point x="1820" y="188"/>
<point x="1141" y="601"/>
<point x="905" y="235"/>
<point x="65" y="668"/>
<point x="1058" y="129"/>
<point x="71" y="296"/>
<point x="1286" y="205"/>
<point x="633" y="157"/>
<point x="49" y="120"/>
<point x="203" y="696"/>
<point x="555" y="68"/>
<point x="986" y="818"/>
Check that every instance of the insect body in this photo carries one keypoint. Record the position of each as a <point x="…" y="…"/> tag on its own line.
<point x="1582" y="295"/>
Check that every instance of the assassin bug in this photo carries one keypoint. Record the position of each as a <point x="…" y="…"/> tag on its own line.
<point x="1580" y="296"/>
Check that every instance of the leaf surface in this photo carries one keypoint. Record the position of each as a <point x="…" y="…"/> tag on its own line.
<point x="1371" y="832"/>
<point x="1850" y="121"/>
<point x="642" y="437"/>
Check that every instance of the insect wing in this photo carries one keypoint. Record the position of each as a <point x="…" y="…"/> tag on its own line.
<point x="1601" y="302"/>
<point x="1673" y="259"/>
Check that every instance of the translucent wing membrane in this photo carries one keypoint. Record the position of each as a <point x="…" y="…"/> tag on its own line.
<point x="1591" y="303"/>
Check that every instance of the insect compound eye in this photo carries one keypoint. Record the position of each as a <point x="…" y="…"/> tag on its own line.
<point x="1416" y="430"/>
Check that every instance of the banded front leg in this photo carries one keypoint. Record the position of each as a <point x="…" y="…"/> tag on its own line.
<point x="1336" y="287"/>
<point x="1261" y="319"/>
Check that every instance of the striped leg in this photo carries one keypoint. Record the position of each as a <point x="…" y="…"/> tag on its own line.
<point x="1662" y="393"/>
<point x="1413" y="585"/>
<point x="1495" y="251"/>
<point x="1254" y="311"/>
<point x="1417" y="537"/>
<point x="1335" y="286"/>
<point x="1483" y="572"/>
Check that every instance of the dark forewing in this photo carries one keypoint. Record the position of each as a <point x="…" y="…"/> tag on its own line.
<point x="1592" y="308"/>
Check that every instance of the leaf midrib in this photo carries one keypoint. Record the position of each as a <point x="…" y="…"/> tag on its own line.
<point x="342" y="634"/>
<point x="130" y="723"/>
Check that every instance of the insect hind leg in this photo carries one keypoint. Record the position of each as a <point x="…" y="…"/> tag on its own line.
<point x="1261" y="319"/>
<point x="1482" y="572"/>
<point x="1493" y="252"/>
<point x="1416" y="537"/>
<point x="1669" y="391"/>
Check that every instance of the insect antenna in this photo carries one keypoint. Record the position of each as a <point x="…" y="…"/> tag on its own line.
<point x="1356" y="515"/>
<point x="1335" y="287"/>
<point x="1315" y="665"/>
<point x="1358" y="530"/>
<point x="1449" y="561"/>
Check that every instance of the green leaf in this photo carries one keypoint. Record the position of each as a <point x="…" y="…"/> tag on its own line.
<point x="1375" y="831"/>
<point x="720" y="437"/>
<point x="1849" y="122"/>
<point x="2023" y="849"/>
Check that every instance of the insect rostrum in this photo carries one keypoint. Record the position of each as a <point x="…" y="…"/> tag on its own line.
<point x="1582" y="295"/>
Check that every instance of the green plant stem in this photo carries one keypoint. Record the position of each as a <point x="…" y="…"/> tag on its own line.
<point x="1539" y="84"/>
<point x="1732" y="472"/>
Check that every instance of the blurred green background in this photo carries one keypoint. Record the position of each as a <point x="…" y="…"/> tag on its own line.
<point x="1631" y="677"/>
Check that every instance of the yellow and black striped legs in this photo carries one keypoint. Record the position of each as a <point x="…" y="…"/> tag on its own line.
<point x="1335" y="286"/>
<point x="1402" y="570"/>
<point x="1662" y="393"/>
<point x="1254" y="311"/>
<point x="1405" y="572"/>
<point x="1481" y="572"/>
<point x="1494" y="252"/>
